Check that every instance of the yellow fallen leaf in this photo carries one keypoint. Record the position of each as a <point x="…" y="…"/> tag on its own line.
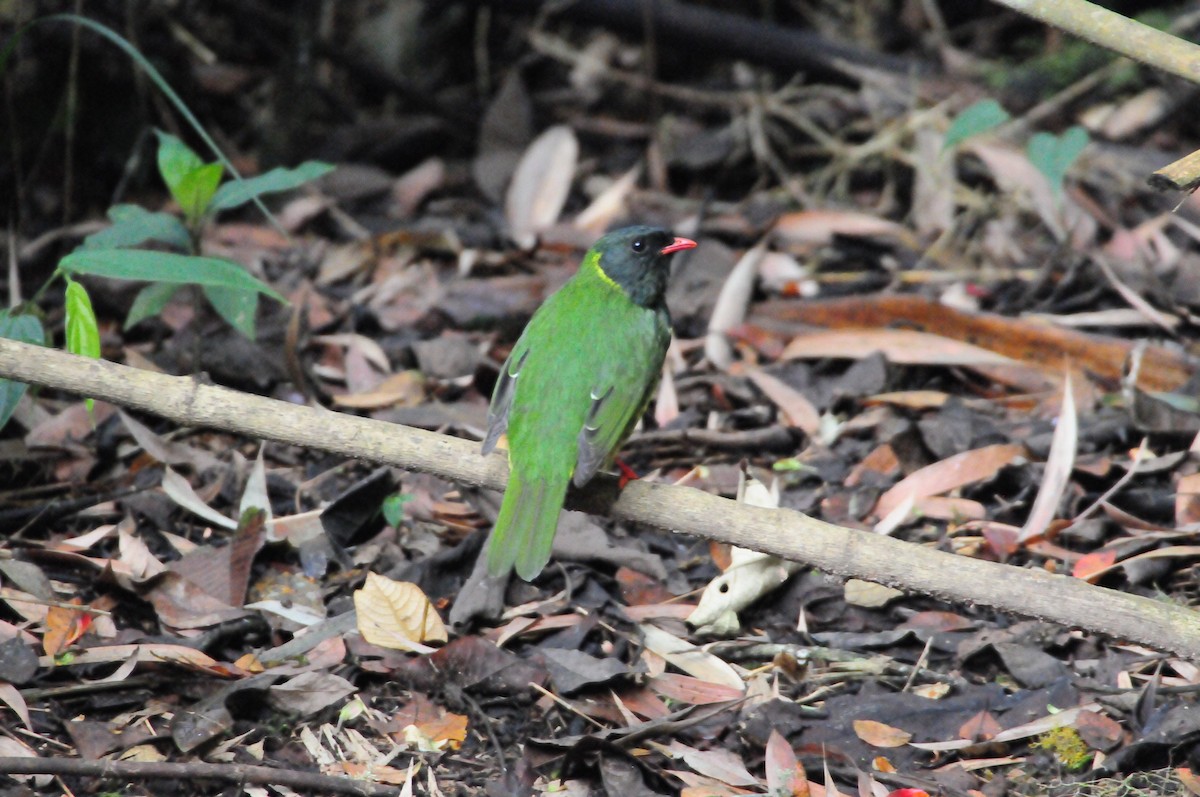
<point x="397" y="615"/>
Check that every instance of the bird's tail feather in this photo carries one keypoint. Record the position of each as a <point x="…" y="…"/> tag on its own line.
<point x="524" y="530"/>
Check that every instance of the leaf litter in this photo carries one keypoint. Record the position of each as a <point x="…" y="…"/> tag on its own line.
<point x="899" y="351"/>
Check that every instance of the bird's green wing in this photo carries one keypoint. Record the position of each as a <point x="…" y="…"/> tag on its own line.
<point x="506" y="385"/>
<point x="615" y="410"/>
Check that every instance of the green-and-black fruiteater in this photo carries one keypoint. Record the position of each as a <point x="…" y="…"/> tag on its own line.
<point x="576" y="384"/>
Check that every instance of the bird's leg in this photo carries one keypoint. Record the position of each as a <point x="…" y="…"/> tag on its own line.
<point x="628" y="474"/>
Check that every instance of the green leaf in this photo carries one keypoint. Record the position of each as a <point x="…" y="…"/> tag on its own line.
<point x="393" y="508"/>
<point x="175" y="162"/>
<point x="239" y="192"/>
<point x="150" y="301"/>
<point x="138" y="264"/>
<point x="83" y="332"/>
<point x="236" y="306"/>
<point x="27" y="329"/>
<point x="1053" y="155"/>
<point x="978" y="118"/>
<point x="134" y="225"/>
<point x="196" y="190"/>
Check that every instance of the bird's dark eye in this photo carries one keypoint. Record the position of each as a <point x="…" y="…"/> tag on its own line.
<point x="638" y="245"/>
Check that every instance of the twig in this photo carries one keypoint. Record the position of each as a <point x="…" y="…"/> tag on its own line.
<point x="780" y="532"/>
<point x="227" y="773"/>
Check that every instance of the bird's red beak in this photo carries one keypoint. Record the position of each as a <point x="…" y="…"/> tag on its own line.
<point x="678" y="245"/>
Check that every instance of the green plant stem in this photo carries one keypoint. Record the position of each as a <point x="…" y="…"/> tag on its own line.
<point x="1117" y="33"/>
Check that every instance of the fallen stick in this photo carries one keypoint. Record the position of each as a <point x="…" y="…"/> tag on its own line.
<point x="782" y="532"/>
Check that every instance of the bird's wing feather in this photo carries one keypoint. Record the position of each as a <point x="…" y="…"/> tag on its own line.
<point x="497" y="417"/>
<point x="615" y="410"/>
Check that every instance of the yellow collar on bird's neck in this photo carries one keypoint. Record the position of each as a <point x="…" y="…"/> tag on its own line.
<point x="591" y="262"/>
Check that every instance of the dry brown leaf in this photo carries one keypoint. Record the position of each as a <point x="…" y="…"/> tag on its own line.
<point x="405" y="389"/>
<point x="794" y="407"/>
<point x="785" y="774"/>
<point x="685" y="689"/>
<point x="878" y="734"/>
<point x="819" y="226"/>
<point x="64" y="626"/>
<point x="903" y="346"/>
<point x="1033" y="343"/>
<point x="397" y="615"/>
<point x="1188" y="779"/>
<point x="980" y="728"/>
<point x="446" y="731"/>
<point x="953" y="472"/>
<point x="1187" y="500"/>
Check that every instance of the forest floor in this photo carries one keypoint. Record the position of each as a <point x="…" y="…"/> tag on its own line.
<point x="934" y="298"/>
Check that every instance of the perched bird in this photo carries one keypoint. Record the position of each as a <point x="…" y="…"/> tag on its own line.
<point x="575" y="385"/>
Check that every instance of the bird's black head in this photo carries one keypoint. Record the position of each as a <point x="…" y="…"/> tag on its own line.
<point x="636" y="259"/>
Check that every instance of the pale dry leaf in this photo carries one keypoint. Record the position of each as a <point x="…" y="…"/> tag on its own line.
<point x="541" y="183"/>
<point x="137" y="558"/>
<point x="666" y="404"/>
<point x="154" y="653"/>
<point x="723" y="765"/>
<point x="750" y="574"/>
<point x="902" y="346"/>
<point x="168" y="453"/>
<point x="1059" y="719"/>
<point x="868" y="594"/>
<point x="730" y="307"/>
<point x="397" y="615"/>
<point x="309" y="692"/>
<point x="85" y="541"/>
<point x="933" y="189"/>
<point x="180" y="491"/>
<point x="254" y="496"/>
<point x="405" y="389"/>
<point x="343" y="261"/>
<point x="1057" y="473"/>
<point x="11" y="697"/>
<point x="1138" y="113"/>
<point x="689" y="658"/>
<point x="831" y="789"/>
<point x="411" y="188"/>
<point x="877" y="734"/>
<point x="819" y="227"/>
<point x="368" y="348"/>
<point x="609" y="205"/>
<point x="780" y="272"/>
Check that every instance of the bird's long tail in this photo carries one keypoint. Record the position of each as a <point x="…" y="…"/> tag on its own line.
<point x="524" y="530"/>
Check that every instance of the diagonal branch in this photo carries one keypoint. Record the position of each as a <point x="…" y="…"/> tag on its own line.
<point x="782" y="532"/>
